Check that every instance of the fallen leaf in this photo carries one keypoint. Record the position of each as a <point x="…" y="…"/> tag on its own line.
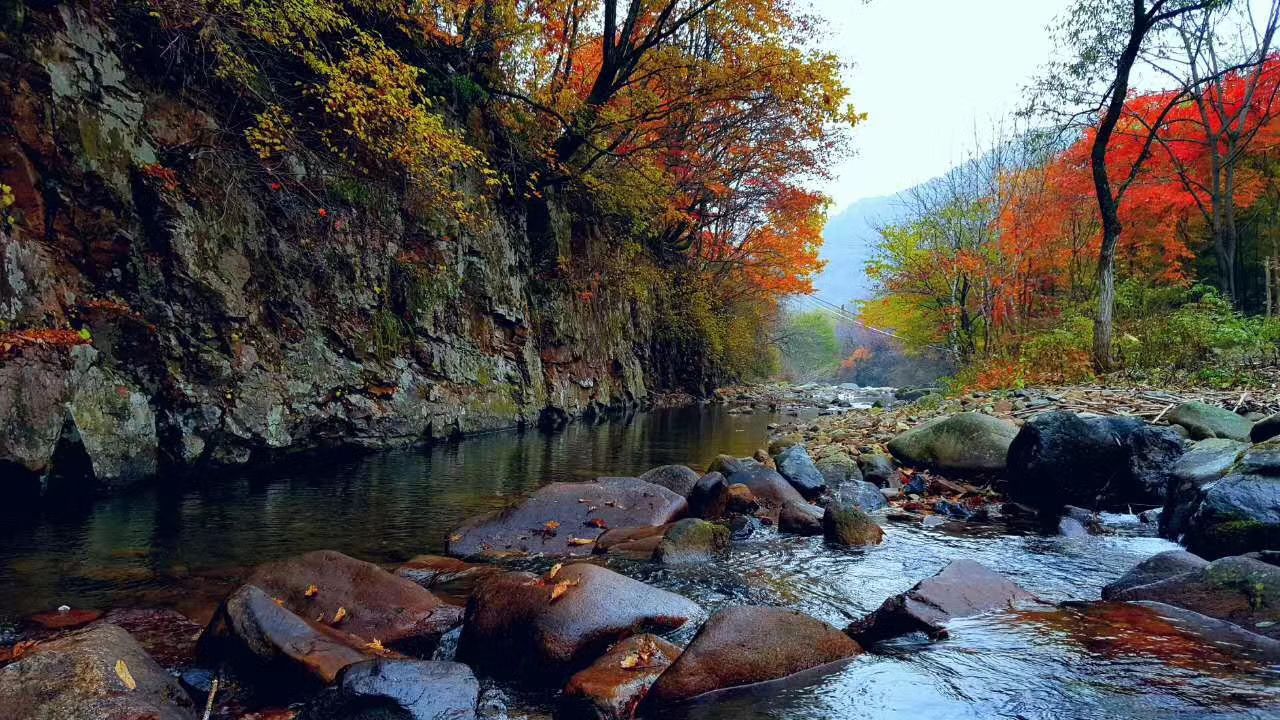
<point x="456" y="537"/>
<point x="550" y="527"/>
<point x="561" y="588"/>
<point x="554" y="569"/>
<point x="278" y="601"/>
<point x="580" y="541"/>
<point x="598" y="523"/>
<point x="376" y="646"/>
<point x="340" y="615"/>
<point x="312" y="591"/>
<point x="629" y="661"/>
<point x="122" y="671"/>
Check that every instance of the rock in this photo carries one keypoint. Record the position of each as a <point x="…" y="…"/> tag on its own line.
<point x="1209" y="421"/>
<point x="513" y="628"/>
<point x="383" y="689"/>
<point x="1240" y="513"/>
<point x="770" y="490"/>
<point x="838" y="468"/>
<point x="1154" y="569"/>
<point x="849" y="526"/>
<point x="1238" y="590"/>
<point x="727" y="465"/>
<point x="1071" y="527"/>
<point x="613" y="686"/>
<point x="96" y="673"/>
<point x="64" y="619"/>
<point x="445" y="577"/>
<point x="679" y="479"/>
<point x="966" y="442"/>
<point x="963" y="588"/>
<point x="34" y="388"/>
<point x="707" y="499"/>
<point x="798" y="468"/>
<point x="861" y="494"/>
<point x="691" y="540"/>
<point x="265" y="640"/>
<point x="1206" y="461"/>
<point x="1229" y="638"/>
<point x="378" y="605"/>
<point x="878" y="468"/>
<point x="800" y="518"/>
<point x="739" y="499"/>
<point x="746" y="645"/>
<point x="116" y="426"/>
<point x="778" y="445"/>
<point x="1151" y="453"/>
<point x="527" y="528"/>
<point x="168" y="636"/>
<point x="1265" y="429"/>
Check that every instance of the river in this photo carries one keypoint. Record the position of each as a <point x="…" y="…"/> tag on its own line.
<point x="185" y="546"/>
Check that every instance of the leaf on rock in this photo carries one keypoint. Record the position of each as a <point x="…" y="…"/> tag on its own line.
<point x="629" y="662"/>
<point x="122" y="671"/>
<point x="312" y="591"/>
<point x="581" y="541"/>
<point x="375" y="647"/>
<point x="340" y="615"/>
<point x="560" y="588"/>
<point x="554" y="569"/>
<point x="598" y="523"/>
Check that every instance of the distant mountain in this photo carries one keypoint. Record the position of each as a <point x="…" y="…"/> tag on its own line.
<point x="847" y="244"/>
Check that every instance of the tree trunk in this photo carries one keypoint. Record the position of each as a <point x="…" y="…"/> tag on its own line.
<point x="1266" y="278"/>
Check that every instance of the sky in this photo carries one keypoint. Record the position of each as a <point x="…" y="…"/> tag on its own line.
<point x="928" y="73"/>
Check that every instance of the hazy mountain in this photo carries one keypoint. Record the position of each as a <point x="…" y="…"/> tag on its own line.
<point x="847" y="245"/>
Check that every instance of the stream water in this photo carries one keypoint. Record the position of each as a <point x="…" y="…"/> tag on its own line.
<point x="185" y="547"/>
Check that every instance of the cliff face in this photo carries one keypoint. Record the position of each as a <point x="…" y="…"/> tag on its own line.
<point x="163" y="307"/>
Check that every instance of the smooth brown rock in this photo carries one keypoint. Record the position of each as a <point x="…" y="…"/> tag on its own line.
<point x="961" y="589"/>
<point x="378" y="605"/>
<point x="800" y="518"/>
<point x="747" y="645"/>
<point x="449" y="579"/>
<point x="558" y="516"/>
<point x="515" y="629"/>
<point x="97" y="673"/>
<point x="679" y="479"/>
<point x="770" y="490"/>
<point x="167" y="635"/>
<point x="613" y="686"/>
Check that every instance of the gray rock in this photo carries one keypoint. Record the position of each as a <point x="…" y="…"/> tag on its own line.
<point x="798" y="468"/>
<point x="860" y="494"/>
<point x="1154" y="569"/>
<point x="403" y="689"/>
<point x="117" y="427"/>
<point x="838" y="468"/>
<point x="965" y="441"/>
<point x="1265" y="429"/>
<point x="84" y="676"/>
<point x="1209" y="421"/>
<point x="800" y="518"/>
<point x="849" y="526"/>
<point x="1206" y="461"/>
<point x="34" y="389"/>
<point x="877" y="468"/>
<point x="679" y="479"/>
<point x="1240" y="512"/>
<point x="1238" y="590"/>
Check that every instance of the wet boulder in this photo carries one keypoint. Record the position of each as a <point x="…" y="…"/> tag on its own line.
<point x="742" y="646"/>
<point x="877" y="468"/>
<point x="965" y="442"/>
<point x="684" y="541"/>
<point x="449" y="579"/>
<point x="374" y="603"/>
<point x="1150" y="454"/>
<point x="167" y="635"/>
<point x="1239" y="513"/>
<point x="1265" y="429"/>
<point x="543" y="629"/>
<point x="860" y="493"/>
<point x="679" y="479"/>
<point x="1154" y="569"/>
<point x="91" y="674"/>
<point x="1204" y="463"/>
<point x="727" y="465"/>
<point x="963" y="588"/>
<point x="266" y="641"/>
<point x="769" y="489"/>
<point x="558" y="519"/>
<point x="838" y="468"/>
<point x="798" y="468"/>
<point x="800" y="518"/>
<point x="612" y="687"/>
<point x="1239" y="590"/>
<point x="384" y="689"/>
<point x="1209" y="421"/>
<point x="849" y="526"/>
<point x="707" y="499"/>
<point x="1228" y="638"/>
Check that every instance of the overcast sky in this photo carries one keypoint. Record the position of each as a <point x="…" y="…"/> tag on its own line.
<point x="927" y="71"/>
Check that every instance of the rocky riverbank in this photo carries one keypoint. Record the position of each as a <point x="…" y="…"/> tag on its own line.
<point x="532" y="596"/>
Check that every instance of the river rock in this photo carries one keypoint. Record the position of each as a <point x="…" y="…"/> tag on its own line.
<point x="1209" y="421"/>
<point x="448" y="578"/>
<point x="963" y="588"/>
<point x="1240" y="513"/>
<point x="966" y="442"/>
<point x="1239" y="590"/>
<point x="267" y="642"/>
<point x="746" y="645"/>
<point x="684" y="541"/>
<point x="557" y="514"/>
<point x="707" y="499"/>
<point x="386" y="689"/>
<point x="97" y="673"/>
<point x="848" y="526"/>
<point x="1265" y="429"/>
<point x="378" y="604"/>
<point x="798" y="468"/>
<point x="1206" y="461"/>
<point x="168" y="636"/>
<point x="1154" y="569"/>
<point x="679" y="479"/>
<point x="727" y="465"/>
<point x="838" y="468"/>
<point x="1229" y="638"/>
<point x="769" y="489"/>
<point x="800" y="518"/>
<point x="514" y="629"/>
<point x="1150" y="453"/>
<point x="862" y="494"/>
<point x="878" y="468"/>
<point x="613" y="686"/>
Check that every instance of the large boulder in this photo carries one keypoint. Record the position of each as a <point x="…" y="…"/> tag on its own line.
<point x="266" y="641"/>
<point x="861" y="494"/>
<point x="848" y="526"/>
<point x="116" y="426"/>
<point x="771" y="491"/>
<point x="679" y="479"/>
<point x="838" y="468"/>
<point x="376" y="604"/>
<point x="684" y="541"/>
<point x="392" y="689"/>
<point x="1240" y="513"/>
<point x="878" y="469"/>
<point x="1150" y="453"/>
<point x="800" y="519"/>
<point x="613" y="686"/>
<point x="96" y="673"/>
<point x="746" y="645"/>
<point x="1206" y="461"/>
<point x="798" y="468"/>
<point x="543" y="629"/>
<point x="449" y="579"/>
<point x="1209" y="421"/>
<point x="1265" y="429"/>
<point x="965" y="442"/>
<point x="35" y="385"/>
<point x="1239" y="590"/>
<point x="558" y="518"/>
<point x="1154" y="569"/>
<point x="708" y="497"/>
<point x="963" y="588"/>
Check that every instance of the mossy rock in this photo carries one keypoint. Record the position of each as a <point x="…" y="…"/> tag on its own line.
<point x="966" y="441"/>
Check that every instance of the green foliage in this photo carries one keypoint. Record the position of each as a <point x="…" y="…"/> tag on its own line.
<point x="388" y="335"/>
<point x="809" y="345"/>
